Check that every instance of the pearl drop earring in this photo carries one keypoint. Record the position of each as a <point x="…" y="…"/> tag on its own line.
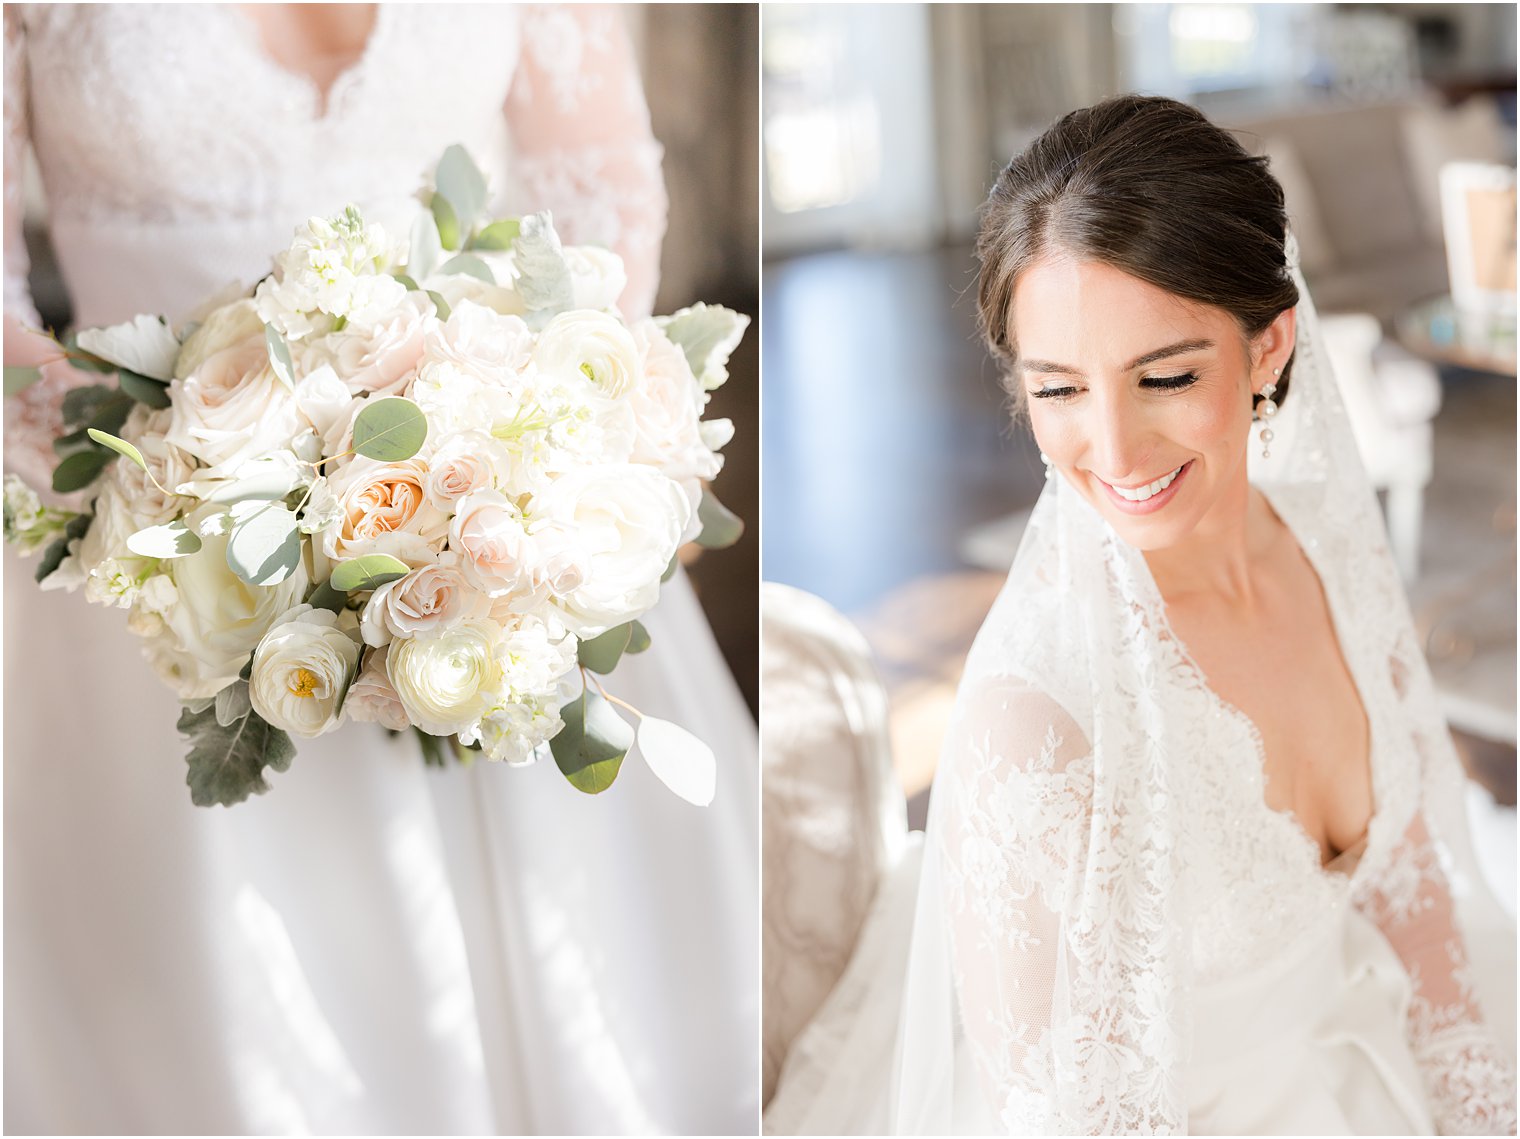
<point x="1266" y="409"/>
<point x="1044" y="458"/>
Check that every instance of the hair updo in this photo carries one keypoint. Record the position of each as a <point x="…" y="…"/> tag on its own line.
<point x="1148" y="186"/>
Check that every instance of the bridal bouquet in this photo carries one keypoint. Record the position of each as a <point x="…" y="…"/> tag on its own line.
<point x="431" y="484"/>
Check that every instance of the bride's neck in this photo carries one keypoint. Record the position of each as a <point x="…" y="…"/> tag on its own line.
<point x="1225" y="553"/>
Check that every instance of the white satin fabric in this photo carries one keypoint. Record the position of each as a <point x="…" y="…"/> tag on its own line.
<point x="373" y="946"/>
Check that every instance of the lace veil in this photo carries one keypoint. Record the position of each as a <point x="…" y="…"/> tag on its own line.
<point x="1049" y="979"/>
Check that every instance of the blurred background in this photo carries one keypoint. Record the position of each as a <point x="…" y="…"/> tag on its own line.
<point x="896" y="489"/>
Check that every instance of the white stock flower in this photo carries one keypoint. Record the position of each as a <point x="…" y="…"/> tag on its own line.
<point x="232" y="408"/>
<point x="535" y="654"/>
<point x="447" y="682"/>
<point x="592" y="346"/>
<point x="333" y="270"/>
<point x="382" y="509"/>
<point x="625" y="521"/>
<point x="512" y="733"/>
<point x="423" y="603"/>
<point x="300" y="671"/>
<point x="380" y="358"/>
<point x="372" y="698"/>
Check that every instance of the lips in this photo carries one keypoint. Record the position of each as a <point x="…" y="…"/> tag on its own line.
<point x="1148" y="497"/>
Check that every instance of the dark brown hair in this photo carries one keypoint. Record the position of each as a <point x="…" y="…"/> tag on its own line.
<point x="1151" y="187"/>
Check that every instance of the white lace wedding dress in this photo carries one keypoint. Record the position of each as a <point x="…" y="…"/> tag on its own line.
<point x="373" y="946"/>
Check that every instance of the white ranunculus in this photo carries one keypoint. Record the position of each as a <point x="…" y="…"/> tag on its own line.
<point x="513" y="733"/>
<point x="423" y="603"/>
<point x="231" y="324"/>
<point x="626" y="520"/>
<point x="233" y="408"/>
<point x="383" y="510"/>
<point x="380" y="358"/>
<point x="300" y="672"/>
<point x="590" y="346"/>
<point x="218" y="619"/>
<point x="372" y="698"/>
<point x="667" y="410"/>
<point x="494" y="550"/>
<point x="448" y="682"/>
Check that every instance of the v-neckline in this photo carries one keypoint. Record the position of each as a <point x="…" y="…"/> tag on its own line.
<point x="1337" y="629"/>
<point x="321" y="101"/>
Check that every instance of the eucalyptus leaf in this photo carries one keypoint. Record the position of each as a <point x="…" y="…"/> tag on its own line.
<point x="227" y="764"/>
<point x="171" y="540"/>
<point x="81" y="405"/>
<point x="432" y="748"/>
<point x="460" y="181"/>
<point x="18" y="379"/>
<point x="411" y="285"/>
<point x="426" y="247"/>
<point x="721" y="527"/>
<point x="112" y="413"/>
<point x="368" y="572"/>
<point x="681" y="761"/>
<point x="497" y="235"/>
<point x="279" y="356"/>
<point x="446" y="221"/>
<point x="145" y="344"/>
<point x="265" y="546"/>
<point x="53" y="556"/>
<point x="79" y="470"/>
<point x="151" y="393"/>
<point x="638" y="640"/>
<point x="601" y="653"/>
<point x="707" y="335"/>
<point x="233" y="703"/>
<point x="326" y="597"/>
<point x="66" y="445"/>
<point x="469" y="265"/>
<point x="440" y="304"/>
<point x="120" y="446"/>
<point x="390" y="429"/>
<point x="590" y="748"/>
<point x="269" y="484"/>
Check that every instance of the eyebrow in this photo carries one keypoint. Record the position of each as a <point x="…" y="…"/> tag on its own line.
<point x="1170" y="350"/>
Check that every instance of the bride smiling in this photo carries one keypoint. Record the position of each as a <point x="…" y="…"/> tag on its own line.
<point x="1196" y="858"/>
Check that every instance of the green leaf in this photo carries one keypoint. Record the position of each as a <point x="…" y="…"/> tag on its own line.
<point x="145" y="391"/>
<point x="171" y="540"/>
<point x="670" y="570"/>
<point x="681" y="761"/>
<point x="232" y="703"/>
<point x="144" y="344"/>
<point x="265" y="546"/>
<point x="79" y="470"/>
<point x="469" y="265"/>
<point x="326" y="597"/>
<point x="369" y="572"/>
<point x="426" y="246"/>
<point x="85" y="361"/>
<point x="447" y="222"/>
<point x="411" y="285"/>
<point x="120" y="446"/>
<point x="639" y="640"/>
<point x="279" y="356"/>
<point x="708" y="335"/>
<point x="721" y="527"/>
<point x="432" y="748"/>
<point x="269" y="484"/>
<point x="227" y="763"/>
<point x="590" y="748"/>
<point x="111" y="414"/>
<point x="66" y="445"/>
<point x="601" y="653"/>
<point x="390" y="429"/>
<point x="18" y="379"/>
<point x="440" y="304"/>
<point x="53" y="556"/>
<point x="81" y="405"/>
<point x="497" y="235"/>
<point x="461" y="182"/>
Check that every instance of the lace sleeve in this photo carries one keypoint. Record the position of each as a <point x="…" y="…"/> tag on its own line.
<point x="582" y="145"/>
<point x="1468" y="1075"/>
<point x="1015" y="825"/>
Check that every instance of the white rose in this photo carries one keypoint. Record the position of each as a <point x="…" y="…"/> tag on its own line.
<point x="300" y="671"/>
<point x="448" y="682"/>
<point x="380" y="358"/>
<point x="513" y="733"/>
<point x="495" y="553"/>
<point x="627" y="520"/>
<point x="231" y="324"/>
<point x="233" y="408"/>
<point x="325" y="400"/>
<point x="590" y="346"/>
<point x="372" y="698"/>
<point x="667" y="410"/>
<point x="423" y="603"/>
<point x="383" y="510"/>
<point x="481" y="341"/>
<point x="597" y="276"/>
<point x="218" y="619"/>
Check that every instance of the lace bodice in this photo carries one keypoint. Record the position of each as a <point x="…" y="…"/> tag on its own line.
<point x="177" y="156"/>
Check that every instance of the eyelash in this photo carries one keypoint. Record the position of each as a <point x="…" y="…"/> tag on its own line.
<point x="1157" y="383"/>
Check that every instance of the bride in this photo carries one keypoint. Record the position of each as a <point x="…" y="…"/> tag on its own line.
<point x="1196" y="858"/>
<point x="374" y="946"/>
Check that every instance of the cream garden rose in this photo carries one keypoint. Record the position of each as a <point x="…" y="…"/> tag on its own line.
<point x="233" y="408"/>
<point x="301" y="671"/>
<point x="446" y="683"/>
<point x="488" y="534"/>
<point x="383" y="509"/>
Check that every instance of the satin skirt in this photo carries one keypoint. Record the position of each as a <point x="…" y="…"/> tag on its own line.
<point x="373" y="946"/>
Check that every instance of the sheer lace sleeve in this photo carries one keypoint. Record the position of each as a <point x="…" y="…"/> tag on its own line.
<point x="1014" y="834"/>
<point x="582" y="145"/>
<point x="1468" y="1074"/>
<point x="19" y="311"/>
